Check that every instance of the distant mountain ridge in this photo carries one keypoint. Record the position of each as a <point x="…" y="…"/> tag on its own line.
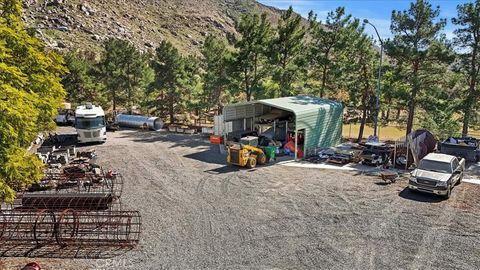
<point x="84" y="25"/>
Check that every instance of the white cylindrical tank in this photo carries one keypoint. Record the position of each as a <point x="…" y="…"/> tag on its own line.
<point x="138" y="121"/>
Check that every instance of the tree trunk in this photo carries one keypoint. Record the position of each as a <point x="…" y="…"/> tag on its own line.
<point x="171" y="110"/>
<point x="324" y="81"/>
<point x="398" y="114"/>
<point x="129" y="100"/>
<point x="255" y="76"/>
<point x="114" y="100"/>
<point x="471" y="93"/>
<point x="129" y="93"/>
<point x="411" y="111"/>
<point x="324" y="73"/>
<point x="247" y="84"/>
<point x="413" y="97"/>
<point x="283" y="82"/>
<point x="366" y="90"/>
<point x="466" y="116"/>
<point x="362" y="124"/>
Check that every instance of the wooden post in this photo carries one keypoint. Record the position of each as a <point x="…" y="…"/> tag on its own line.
<point x="286" y="129"/>
<point x="408" y="152"/>
<point x="274" y="127"/>
<point x="253" y="117"/>
<point x="395" y="153"/>
<point x="296" y="143"/>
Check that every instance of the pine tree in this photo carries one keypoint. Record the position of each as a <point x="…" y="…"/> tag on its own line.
<point x="327" y="48"/>
<point x="468" y="41"/>
<point x="215" y="57"/>
<point x="361" y="72"/>
<point x="287" y="51"/>
<point x="169" y="67"/>
<point x="80" y="82"/>
<point x="417" y="46"/>
<point x="121" y="70"/>
<point x="250" y="59"/>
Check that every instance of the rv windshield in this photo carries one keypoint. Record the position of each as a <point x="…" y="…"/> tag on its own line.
<point x="90" y="123"/>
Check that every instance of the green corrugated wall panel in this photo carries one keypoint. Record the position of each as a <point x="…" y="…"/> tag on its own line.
<point x="323" y="127"/>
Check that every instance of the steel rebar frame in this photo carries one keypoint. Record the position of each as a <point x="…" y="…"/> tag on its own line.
<point x="70" y="228"/>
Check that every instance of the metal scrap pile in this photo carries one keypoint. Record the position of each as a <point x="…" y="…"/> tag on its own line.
<point x="77" y="203"/>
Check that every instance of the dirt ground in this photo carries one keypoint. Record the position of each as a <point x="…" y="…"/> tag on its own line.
<point x="199" y="213"/>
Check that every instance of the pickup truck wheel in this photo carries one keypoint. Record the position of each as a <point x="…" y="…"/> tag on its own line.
<point x="449" y="192"/>
<point x="459" y="180"/>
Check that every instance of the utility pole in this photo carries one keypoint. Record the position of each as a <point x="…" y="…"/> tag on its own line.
<point x="377" y="101"/>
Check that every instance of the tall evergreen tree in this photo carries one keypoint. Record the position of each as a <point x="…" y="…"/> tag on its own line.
<point x="287" y="51"/>
<point x="215" y="57"/>
<point x="192" y="85"/>
<point x="417" y="47"/>
<point x="361" y="76"/>
<point x="328" y="45"/>
<point x="468" y="41"/>
<point x="169" y="67"/>
<point x="121" y="70"/>
<point x="80" y="82"/>
<point x="250" y="64"/>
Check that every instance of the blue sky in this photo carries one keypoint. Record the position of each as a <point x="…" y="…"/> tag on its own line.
<point x="377" y="12"/>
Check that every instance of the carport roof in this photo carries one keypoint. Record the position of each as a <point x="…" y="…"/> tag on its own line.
<point x="300" y="104"/>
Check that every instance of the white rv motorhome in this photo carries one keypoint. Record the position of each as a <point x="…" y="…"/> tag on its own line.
<point x="90" y="123"/>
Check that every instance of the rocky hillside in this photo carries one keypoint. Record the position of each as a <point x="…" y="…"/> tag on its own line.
<point x="84" y="25"/>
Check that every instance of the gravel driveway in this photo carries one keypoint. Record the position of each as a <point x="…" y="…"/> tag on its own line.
<point x="199" y="213"/>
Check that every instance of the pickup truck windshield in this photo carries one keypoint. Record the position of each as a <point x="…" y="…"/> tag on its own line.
<point x="435" y="166"/>
<point x="89" y="123"/>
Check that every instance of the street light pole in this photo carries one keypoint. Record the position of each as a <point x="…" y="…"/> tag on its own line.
<point x="377" y="101"/>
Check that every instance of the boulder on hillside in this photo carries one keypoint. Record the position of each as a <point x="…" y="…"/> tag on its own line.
<point x="54" y="2"/>
<point x="87" y="9"/>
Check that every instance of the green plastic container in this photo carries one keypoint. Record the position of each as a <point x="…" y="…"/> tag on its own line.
<point x="270" y="152"/>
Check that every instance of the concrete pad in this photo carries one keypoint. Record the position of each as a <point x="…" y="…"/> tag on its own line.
<point x="346" y="167"/>
<point x="471" y="181"/>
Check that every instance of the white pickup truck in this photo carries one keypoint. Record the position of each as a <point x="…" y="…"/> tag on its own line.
<point x="437" y="174"/>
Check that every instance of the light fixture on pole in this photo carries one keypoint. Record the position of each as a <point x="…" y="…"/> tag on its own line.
<point x="377" y="101"/>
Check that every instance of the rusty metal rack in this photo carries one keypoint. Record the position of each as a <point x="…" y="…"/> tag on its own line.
<point x="74" y="179"/>
<point x="75" y="207"/>
<point x="61" y="201"/>
<point x="70" y="228"/>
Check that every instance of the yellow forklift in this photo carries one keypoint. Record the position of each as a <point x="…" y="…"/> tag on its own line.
<point x="246" y="153"/>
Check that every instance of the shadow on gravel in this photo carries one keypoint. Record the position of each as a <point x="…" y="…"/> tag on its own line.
<point x="212" y="156"/>
<point x="406" y="193"/>
<point x="224" y="169"/>
<point x="185" y="140"/>
<point x="383" y="183"/>
<point x="61" y="252"/>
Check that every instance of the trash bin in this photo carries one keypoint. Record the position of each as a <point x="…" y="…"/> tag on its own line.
<point x="270" y="151"/>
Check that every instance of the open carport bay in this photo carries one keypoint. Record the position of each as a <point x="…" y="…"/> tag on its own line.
<point x="199" y="213"/>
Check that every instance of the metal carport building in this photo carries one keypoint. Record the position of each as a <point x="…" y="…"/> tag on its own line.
<point x="319" y="119"/>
